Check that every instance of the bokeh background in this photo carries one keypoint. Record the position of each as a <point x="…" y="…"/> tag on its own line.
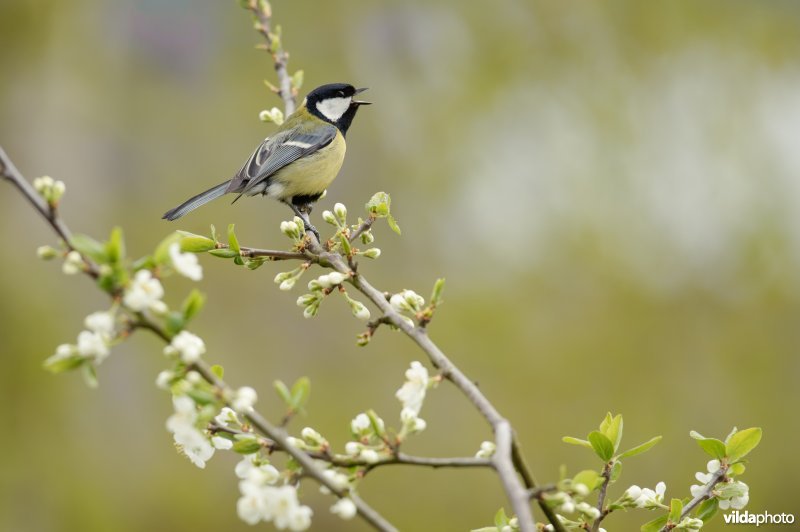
<point x="612" y="191"/>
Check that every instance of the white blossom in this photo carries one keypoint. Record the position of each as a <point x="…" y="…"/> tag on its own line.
<point x="145" y="293"/>
<point x="244" y="399"/>
<point x="337" y="478"/>
<point x="739" y="501"/>
<point x="588" y="510"/>
<point x="227" y="416"/>
<point x="370" y="456"/>
<point x="344" y="508"/>
<point x="185" y="264"/>
<point x="278" y="504"/>
<point x="360" y="423"/>
<point x="650" y="498"/>
<point x="190" y="440"/>
<point x="412" y="393"/>
<point x="487" y="449"/>
<point x="411" y="422"/>
<point x="92" y="345"/>
<point x="100" y="322"/>
<point x="221" y="443"/>
<point x="352" y="448"/>
<point x="187" y="346"/>
<point x="73" y="263"/>
<point x="632" y="493"/>
<point x="407" y="300"/>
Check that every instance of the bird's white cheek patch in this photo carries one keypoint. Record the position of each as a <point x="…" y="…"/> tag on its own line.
<point x="333" y="108"/>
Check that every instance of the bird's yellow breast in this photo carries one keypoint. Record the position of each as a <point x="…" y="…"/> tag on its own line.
<point x="311" y="175"/>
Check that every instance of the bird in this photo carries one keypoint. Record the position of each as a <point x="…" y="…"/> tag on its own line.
<point x="299" y="161"/>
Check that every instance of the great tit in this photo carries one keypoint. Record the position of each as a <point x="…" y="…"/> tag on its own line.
<point x="298" y="162"/>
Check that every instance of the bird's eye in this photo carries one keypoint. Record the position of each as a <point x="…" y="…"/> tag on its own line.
<point x="341" y="93"/>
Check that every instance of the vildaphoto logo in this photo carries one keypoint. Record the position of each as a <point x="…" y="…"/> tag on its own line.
<point x="764" y="518"/>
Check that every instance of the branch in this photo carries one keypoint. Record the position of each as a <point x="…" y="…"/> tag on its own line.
<point x="601" y="499"/>
<point x="708" y="488"/>
<point x="10" y="172"/>
<point x="504" y="460"/>
<point x="262" y="11"/>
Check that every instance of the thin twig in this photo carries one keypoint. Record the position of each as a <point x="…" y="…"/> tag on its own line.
<point x="365" y="226"/>
<point x="262" y="10"/>
<point x="708" y="488"/>
<point x="601" y="498"/>
<point x="9" y="172"/>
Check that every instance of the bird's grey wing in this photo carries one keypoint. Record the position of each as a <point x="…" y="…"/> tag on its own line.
<point x="278" y="151"/>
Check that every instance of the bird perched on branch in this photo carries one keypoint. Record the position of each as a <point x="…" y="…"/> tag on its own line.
<point x="298" y="162"/>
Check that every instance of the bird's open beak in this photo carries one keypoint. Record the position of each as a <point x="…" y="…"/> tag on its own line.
<point x="360" y="102"/>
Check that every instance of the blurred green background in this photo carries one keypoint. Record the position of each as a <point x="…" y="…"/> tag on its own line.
<point x="611" y="189"/>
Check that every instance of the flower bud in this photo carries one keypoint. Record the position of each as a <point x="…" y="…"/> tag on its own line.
<point x="367" y="237"/>
<point x="372" y="253"/>
<point x="329" y="217"/>
<point x="46" y="252"/>
<point x="359" y="310"/>
<point x="341" y="212"/>
<point x="73" y="263"/>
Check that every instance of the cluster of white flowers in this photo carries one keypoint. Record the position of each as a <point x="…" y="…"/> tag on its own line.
<point x="689" y="523"/>
<point x="50" y="189"/>
<point x="185" y="264"/>
<point x="344" y="508"/>
<point x="187" y="346"/>
<point x="191" y="441"/>
<point x="294" y="229"/>
<point x="92" y="343"/>
<point x="733" y="494"/>
<point x="362" y="452"/>
<point x="262" y="500"/>
<point x="145" y="293"/>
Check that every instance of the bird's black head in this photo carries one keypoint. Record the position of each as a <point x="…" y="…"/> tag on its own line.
<point x="335" y="103"/>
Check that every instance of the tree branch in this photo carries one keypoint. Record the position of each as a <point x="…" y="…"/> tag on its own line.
<point x="708" y="488"/>
<point x="10" y="172"/>
<point x="601" y="498"/>
<point x="262" y="10"/>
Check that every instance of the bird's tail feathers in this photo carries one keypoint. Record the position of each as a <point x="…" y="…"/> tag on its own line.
<point x="196" y="201"/>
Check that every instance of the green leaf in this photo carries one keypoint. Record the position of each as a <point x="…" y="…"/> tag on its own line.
<point x="712" y="446"/>
<point x="115" y="247"/>
<point x="393" y="224"/>
<point x="238" y="260"/>
<point x="707" y="509"/>
<point x="741" y="443"/>
<point x="223" y="253"/>
<point x="196" y="244"/>
<point x="377" y="428"/>
<point x="202" y="397"/>
<point x="233" y="242"/>
<point x="589" y="478"/>
<point x="301" y="389"/>
<point x="247" y="446"/>
<point x="379" y="205"/>
<point x="500" y="518"/>
<point x="217" y="370"/>
<point x="283" y="392"/>
<point x="602" y="445"/>
<point x="675" y="509"/>
<point x="655" y="525"/>
<point x="736" y="469"/>
<point x="297" y="79"/>
<point x="214" y="233"/>
<point x="161" y="254"/>
<point x="192" y="304"/>
<point x="639" y="449"/>
<point x="347" y="250"/>
<point x="57" y="364"/>
<point x="436" y="295"/>
<point x="89" y="247"/>
<point x="576" y="441"/>
<point x="90" y="375"/>
<point x="611" y="427"/>
<point x="616" y="471"/>
<point x="733" y="431"/>
<point x="174" y="322"/>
